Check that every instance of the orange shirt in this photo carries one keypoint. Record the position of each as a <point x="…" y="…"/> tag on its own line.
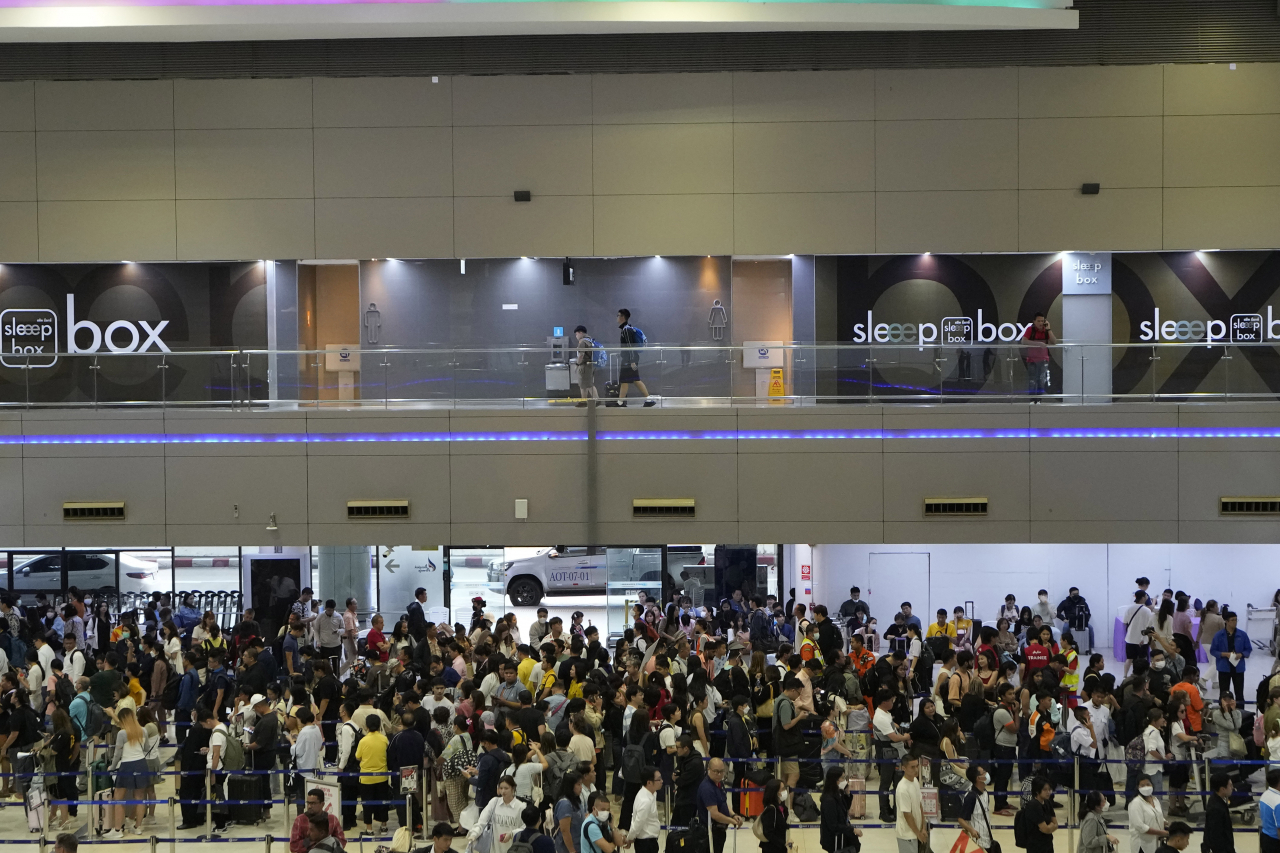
<point x="1195" y="703"/>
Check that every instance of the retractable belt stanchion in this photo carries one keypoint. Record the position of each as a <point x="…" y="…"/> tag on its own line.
<point x="208" y="800"/>
<point x="1073" y="807"/>
<point x="153" y="841"/>
<point x="173" y="820"/>
<point x="288" y="801"/>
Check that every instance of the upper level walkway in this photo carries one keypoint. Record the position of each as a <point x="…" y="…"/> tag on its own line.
<point x="675" y="376"/>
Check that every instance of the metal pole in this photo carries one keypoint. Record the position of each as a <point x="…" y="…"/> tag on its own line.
<point x="153" y="841"/>
<point x="93" y="748"/>
<point x="208" y="801"/>
<point x="173" y="822"/>
<point x="1073" y="807"/>
<point x="284" y="809"/>
<point x="267" y="839"/>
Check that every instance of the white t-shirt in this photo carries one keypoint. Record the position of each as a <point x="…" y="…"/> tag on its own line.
<point x="1179" y="749"/>
<point x="882" y="722"/>
<point x="1138" y="617"/>
<point x="667" y="736"/>
<point x="1152" y="742"/>
<point x="217" y="738"/>
<point x="908" y="800"/>
<point x="1082" y="742"/>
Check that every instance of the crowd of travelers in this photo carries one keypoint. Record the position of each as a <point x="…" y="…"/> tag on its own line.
<point x="696" y="721"/>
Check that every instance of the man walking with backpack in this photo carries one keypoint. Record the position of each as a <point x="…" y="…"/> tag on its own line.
<point x="629" y="373"/>
<point x="587" y="350"/>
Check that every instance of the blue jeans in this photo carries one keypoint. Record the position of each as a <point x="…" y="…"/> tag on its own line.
<point x="1037" y="377"/>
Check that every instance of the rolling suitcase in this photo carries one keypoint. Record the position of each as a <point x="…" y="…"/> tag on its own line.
<point x="750" y="801"/>
<point x="244" y="788"/>
<point x="858" y="791"/>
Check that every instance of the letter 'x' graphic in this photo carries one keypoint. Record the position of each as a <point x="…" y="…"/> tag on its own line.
<point x="1250" y="299"/>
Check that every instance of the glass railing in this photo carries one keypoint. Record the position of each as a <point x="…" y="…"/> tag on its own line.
<point x="797" y="374"/>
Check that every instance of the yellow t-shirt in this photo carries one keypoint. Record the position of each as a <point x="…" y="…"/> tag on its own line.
<point x="523" y="671"/>
<point x="936" y="630"/>
<point x="372" y="755"/>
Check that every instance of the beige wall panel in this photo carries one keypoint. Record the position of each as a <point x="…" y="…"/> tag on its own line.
<point x="106" y="165"/>
<point x="244" y="164"/>
<point x="947" y="155"/>
<point x="1218" y="90"/>
<point x="709" y="479"/>
<point x="246" y="229"/>
<point x="804" y="157"/>
<point x="810" y="487"/>
<point x="384" y="162"/>
<point x="485" y="488"/>
<point x="502" y="228"/>
<point x="1105" y="531"/>
<point x="664" y="225"/>
<point x="1221" y="151"/>
<point x="11" y="493"/>
<point x="19" y="236"/>
<point x="104" y="105"/>
<point x="47" y="483"/>
<point x="804" y="223"/>
<point x="959" y="530"/>
<point x="334" y="480"/>
<point x="17" y="166"/>
<point x="522" y="99"/>
<point x="1122" y="486"/>
<point x="107" y="230"/>
<point x="1090" y="90"/>
<point x="384" y="228"/>
<point x="946" y="93"/>
<point x="1065" y="153"/>
<point x="947" y="222"/>
<point x="672" y="158"/>
<point x="262" y="102"/>
<point x="661" y="98"/>
<point x="18" y="105"/>
<point x="1222" y="218"/>
<point x="382" y="101"/>
<point x="803" y="96"/>
<point x="362" y="533"/>
<point x="1113" y="221"/>
<point x="201" y="490"/>
<point x="1207" y="477"/>
<point x="496" y="161"/>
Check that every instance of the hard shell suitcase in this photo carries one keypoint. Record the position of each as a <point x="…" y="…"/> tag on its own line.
<point x="244" y="788"/>
<point x="857" y="790"/>
<point x="750" y="801"/>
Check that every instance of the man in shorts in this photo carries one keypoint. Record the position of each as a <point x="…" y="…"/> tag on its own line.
<point x="629" y="372"/>
<point x="787" y="734"/>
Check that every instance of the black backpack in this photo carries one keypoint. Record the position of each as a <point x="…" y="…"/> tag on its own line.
<point x="353" y="764"/>
<point x="63" y="692"/>
<point x="985" y="731"/>
<point x="1020" y="831"/>
<point x="169" y="698"/>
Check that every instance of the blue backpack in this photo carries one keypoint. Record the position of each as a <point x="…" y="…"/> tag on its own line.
<point x="599" y="356"/>
<point x="637" y="337"/>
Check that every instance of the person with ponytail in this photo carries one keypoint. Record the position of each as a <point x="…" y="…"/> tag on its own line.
<point x="133" y="776"/>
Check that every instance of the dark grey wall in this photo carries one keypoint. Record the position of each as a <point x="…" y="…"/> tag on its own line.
<point x="432" y="303"/>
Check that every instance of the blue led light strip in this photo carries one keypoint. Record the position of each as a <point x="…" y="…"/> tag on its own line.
<point x="655" y="435"/>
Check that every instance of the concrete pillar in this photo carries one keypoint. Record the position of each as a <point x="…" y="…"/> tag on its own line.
<point x="803" y="325"/>
<point x="282" y="329"/>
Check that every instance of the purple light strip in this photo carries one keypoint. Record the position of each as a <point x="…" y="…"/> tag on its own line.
<point x="655" y="435"/>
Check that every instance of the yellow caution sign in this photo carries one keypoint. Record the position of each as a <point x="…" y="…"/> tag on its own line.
<point x="776" y="385"/>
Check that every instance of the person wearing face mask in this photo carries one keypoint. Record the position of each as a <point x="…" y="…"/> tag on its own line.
<point x="1093" y="826"/>
<point x="975" y="811"/>
<point x="539" y="629"/>
<point x="598" y="833"/>
<point x="1042" y="608"/>
<point x="1146" y="818"/>
<point x="773" y="818"/>
<point x="835" y="831"/>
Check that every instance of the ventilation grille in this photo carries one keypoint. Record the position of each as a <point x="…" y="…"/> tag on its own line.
<point x="1249" y="506"/>
<point x="377" y="509"/>
<point x="954" y="506"/>
<point x="663" y="508"/>
<point x="96" y="511"/>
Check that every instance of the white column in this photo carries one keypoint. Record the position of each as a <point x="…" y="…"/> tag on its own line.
<point x="1086" y="326"/>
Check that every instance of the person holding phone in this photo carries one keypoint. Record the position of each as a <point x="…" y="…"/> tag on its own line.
<point x="1039" y="337"/>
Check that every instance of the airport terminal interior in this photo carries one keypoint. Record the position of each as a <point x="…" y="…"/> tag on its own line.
<point x="899" y="378"/>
